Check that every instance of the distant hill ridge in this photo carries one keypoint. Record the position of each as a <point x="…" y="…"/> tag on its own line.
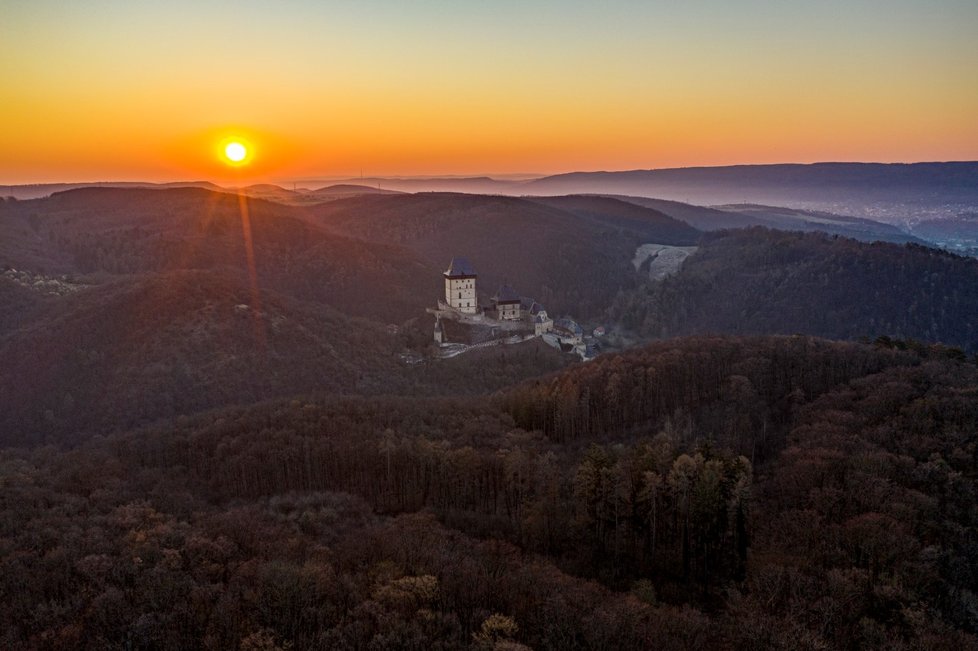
<point x="961" y="175"/>
<point x="948" y="175"/>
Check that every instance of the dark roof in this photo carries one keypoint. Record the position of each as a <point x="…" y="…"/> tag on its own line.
<point x="536" y="308"/>
<point x="460" y="267"/>
<point x="568" y="325"/>
<point x="507" y="294"/>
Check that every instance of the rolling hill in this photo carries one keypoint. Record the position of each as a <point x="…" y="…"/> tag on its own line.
<point x="572" y="261"/>
<point x="200" y="451"/>
<point x="859" y="228"/>
<point x="112" y="231"/>
<point x="41" y="190"/>
<point x="785" y="219"/>
<point x="131" y="351"/>
<point x="138" y="304"/>
<point x="823" y="186"/>
<point x="761" y="281"/>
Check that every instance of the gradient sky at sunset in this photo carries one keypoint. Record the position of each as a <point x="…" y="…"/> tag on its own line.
<point x="108" y="90"/>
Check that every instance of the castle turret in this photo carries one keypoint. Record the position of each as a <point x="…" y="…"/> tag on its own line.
<point x="460" y="286"/>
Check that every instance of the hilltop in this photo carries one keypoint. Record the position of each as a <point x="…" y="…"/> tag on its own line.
<point x="890" y="192"/>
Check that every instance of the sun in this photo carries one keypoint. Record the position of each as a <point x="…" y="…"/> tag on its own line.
<point x="235" y="152"/>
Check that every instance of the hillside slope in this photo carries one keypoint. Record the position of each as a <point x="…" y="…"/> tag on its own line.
<point x="890" y="190"/>
<point x="649" y="224"/>
<point x="785" y="219"/>
<point x="125" y="353"/>
<point x="130" y="232"/>
<point x="759" y="281"/>
<point x="573" y="263"/>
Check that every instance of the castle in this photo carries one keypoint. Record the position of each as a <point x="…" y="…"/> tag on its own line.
<point x="460" y="286"/>
<point x="510" y="318"/>
<point x="508" y="307"/>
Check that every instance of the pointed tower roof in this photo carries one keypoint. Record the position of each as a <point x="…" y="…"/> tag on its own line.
<point x="460" y="268"/>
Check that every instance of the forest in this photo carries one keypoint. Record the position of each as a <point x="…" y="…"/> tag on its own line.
<point x="223" y="425"/>
<point x="758" y="281"/>
<point x="740" y="493"/>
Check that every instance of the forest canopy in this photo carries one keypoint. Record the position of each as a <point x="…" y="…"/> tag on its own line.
<point x="774" y="492"/>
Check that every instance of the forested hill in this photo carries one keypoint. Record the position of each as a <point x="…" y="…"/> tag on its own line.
<point x="133" y="351"/>
<point x="648" y="223"/>
<point x="758" y="281"/>
<point x="785" y="219"/>
<point x="376" y="256"/>
<point x="613" y="505"/>
<point x="856" y="184"/>
<point x="573" y="256"/>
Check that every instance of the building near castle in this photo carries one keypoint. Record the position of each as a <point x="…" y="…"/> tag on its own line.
<point x="542" y="323"/>
<point x="460" y="286"/>
<point x="507" y="303"/>
<point x="568" y="330"/>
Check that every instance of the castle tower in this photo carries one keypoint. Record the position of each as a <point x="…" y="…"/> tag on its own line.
<point x="460" y="286"/>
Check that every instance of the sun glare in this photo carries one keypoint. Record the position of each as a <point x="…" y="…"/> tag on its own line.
<point x="235" y="152"/>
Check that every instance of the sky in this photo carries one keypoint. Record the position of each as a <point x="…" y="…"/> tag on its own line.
<point x="109" y="90"/>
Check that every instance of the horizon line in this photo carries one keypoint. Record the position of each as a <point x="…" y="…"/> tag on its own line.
<point x="507" y="177"/>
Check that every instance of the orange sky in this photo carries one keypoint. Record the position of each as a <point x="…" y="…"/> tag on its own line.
<point x="108" y="90"/>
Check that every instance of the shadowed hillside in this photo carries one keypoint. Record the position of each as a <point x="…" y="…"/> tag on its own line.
<point x="125" y="353"/>
<point x="138" y="304"/>
<point x="130" y="352"/>
<point x="760" y="281"/>
<point x="99" y="231"/>
<point x="572" y="262"/>
<point x="651" y="225"/>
